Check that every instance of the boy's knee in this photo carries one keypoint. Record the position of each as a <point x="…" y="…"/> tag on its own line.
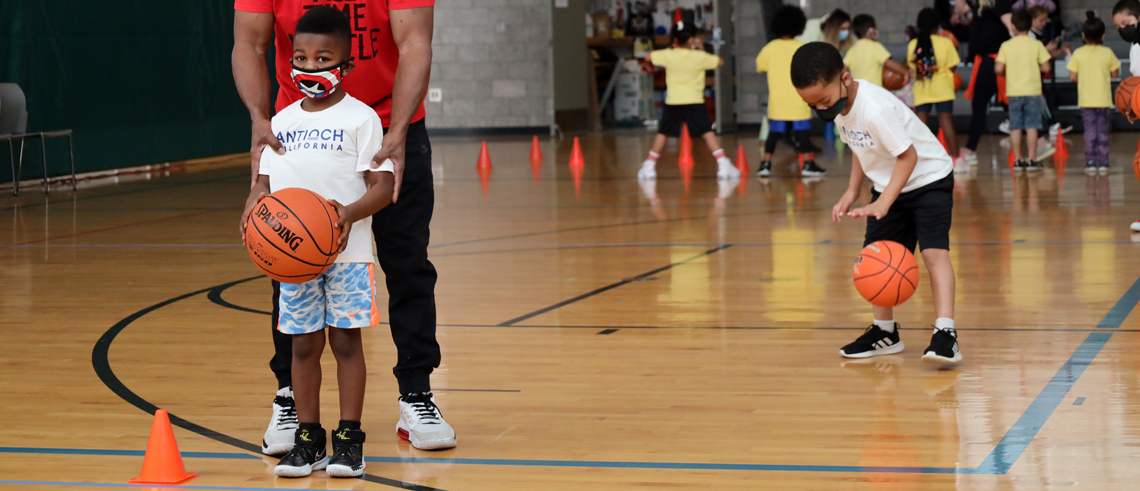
<point x="308" y="345"/>
<point x="936" y="256"/>
<point x="345" y="343"/>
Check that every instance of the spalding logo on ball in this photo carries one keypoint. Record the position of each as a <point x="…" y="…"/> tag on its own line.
<point x="290" y="235"/>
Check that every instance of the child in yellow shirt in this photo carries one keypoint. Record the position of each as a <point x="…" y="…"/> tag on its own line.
<point x="1022" y="60"/>
<point x="685" y="68"/>
<point x="786" y="111"/>
<point x="933" y="59"/>
<point x="867" y="57"/>
<point x="1092" y="67"/>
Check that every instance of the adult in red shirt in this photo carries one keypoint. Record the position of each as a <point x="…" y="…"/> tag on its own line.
<point x="392" y="51"/>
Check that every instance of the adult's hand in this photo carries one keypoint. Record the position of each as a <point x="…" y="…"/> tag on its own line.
<point x="412" y="31"/>
<point x="262" y="137"/>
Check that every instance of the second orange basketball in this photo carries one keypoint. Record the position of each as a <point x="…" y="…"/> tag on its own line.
<point x="885" y="273"/>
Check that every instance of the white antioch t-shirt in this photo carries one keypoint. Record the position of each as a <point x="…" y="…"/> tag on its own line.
<point x="1134" y="60"/>
<point x="327" y="153"/>
<point x="879" y="128"/>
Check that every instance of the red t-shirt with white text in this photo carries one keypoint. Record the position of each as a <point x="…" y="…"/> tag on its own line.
<point x="373" y="48"/>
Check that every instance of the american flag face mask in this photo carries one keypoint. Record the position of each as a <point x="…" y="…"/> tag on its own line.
<point x="317" y="83"/>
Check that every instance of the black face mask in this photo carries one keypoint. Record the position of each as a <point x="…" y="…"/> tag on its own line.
<point x="1130" y="33"/>
<point x="828" y="115"/>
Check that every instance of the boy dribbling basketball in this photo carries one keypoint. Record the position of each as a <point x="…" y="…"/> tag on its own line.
<point x="912" y="199"/>
<point x="329" y="138"/>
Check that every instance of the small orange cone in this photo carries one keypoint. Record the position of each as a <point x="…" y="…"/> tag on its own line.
<point x="1011" y="158"/>
<point x="942" y="140"/>
<point x="577" y="164"/>
<point x="1062" y="150"/>
<point x="162" y="463"/>
<point x="535" y="157"/>
<point x="685" y="161"/>
<point x="800" y="158"/>
<point x="484" y="158"/>
<point x="485" y="179"/>
<point x="741" y="160"/>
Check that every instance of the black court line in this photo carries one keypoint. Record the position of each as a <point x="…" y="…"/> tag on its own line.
<point x="611" y="286"/>
<point x="215" y="295"/>
<point x="607" y="331"/>
<point x="102" y="366"/>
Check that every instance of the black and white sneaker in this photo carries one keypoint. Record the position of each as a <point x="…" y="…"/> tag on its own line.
<point x="1020" y="165"/>
<point x="308" y="454"/>
<point x="943" y="347"/>
<point x="278" y="438"/>
<point x="765" y="169"/>
<point x="812" y="169"/>
<point x="874" y="342"/>
<point x="422" y="424"/>
<point x="348" y="453"/>
<point x="1034" y="165"/>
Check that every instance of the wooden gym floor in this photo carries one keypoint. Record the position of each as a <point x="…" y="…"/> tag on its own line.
<point x="596" y="340"/>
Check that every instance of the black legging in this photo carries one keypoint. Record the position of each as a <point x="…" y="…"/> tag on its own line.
<point x="800" y="138"/>
<point x="985" y="86"/>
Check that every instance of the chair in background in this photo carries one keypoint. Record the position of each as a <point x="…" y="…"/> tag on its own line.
<point x="14" y="123"/>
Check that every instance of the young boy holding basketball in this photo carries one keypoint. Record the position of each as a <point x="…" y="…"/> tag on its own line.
<point x="912" y="199"/>
<point x="330" y="138"/>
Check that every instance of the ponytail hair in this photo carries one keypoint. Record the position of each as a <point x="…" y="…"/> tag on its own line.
<point x="925" y="62"/>
<point x="1093" y="28"/>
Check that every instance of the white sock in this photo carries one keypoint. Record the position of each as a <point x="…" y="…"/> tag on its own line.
<point x="944" y="323"/>
<point x="887" y="326"/>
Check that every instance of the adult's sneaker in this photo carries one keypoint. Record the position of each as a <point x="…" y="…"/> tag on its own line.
<point x="278" y="439"/>
<point x="308" y="454"/>
<point x="812" y="169"/>
<point x="943" y="347"/>
<point x="1004" y="127"/>
<point x="874" y="342"/>
<point x="1136" y="226"/>
<point x="961" y="166"/>
<point x="348" y="453"/>
<point x="422" y="424"/>
<point x="765" y="169"/>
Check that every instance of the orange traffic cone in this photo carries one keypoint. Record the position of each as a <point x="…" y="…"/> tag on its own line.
<point x="1011" y="158"/>
<point x="485" y="179"/>
<point x="577" y="164"/>
<point x="1061" y="153"/>
<point x="162" y="463"/>
<point x="535" y="157"/>
<point x="685" y="161"/>
<point x="942" y="140"/>
<point x="741" y="160"/>
<point x="484" y="158"/>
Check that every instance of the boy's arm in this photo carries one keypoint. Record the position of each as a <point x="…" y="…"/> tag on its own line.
<point x="999" y="68"/>
<point x="898" y="68"/>
<point x="257" y="193"/>
<point x="1115" y="73"/>
<point x="854" y="187"/>
<point x="904" y="167"/>
<point x="379" y="195"/>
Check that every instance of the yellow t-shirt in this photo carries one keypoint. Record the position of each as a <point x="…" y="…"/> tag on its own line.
<point x="1093" y="64"/>
<point x="865" y="59"/>
<point x="684" y="73"/>
<point x="1022" y="56"/>
<point x="940" y="87"/>
<point x="784" y="103"/>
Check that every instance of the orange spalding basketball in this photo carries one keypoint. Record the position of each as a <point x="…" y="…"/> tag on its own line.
<point x="1125" y="92"/>
<point x="957" y="82"/>
<point x="885" y="273"/>
<point x="892" y="80"/>
<point x="290" y="235"/>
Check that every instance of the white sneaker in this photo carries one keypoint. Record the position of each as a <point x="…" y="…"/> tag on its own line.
<point x="278" y="439"/>
<point x="1004" y="127"/>
<point x="960" y="165"/>
<point x="726" y="170"/>
<point x="1056" y="128"/>
<point x="422" y="424"/>
<point x="1045" y="151"/>
<point x="648" y="171"/>
<point x="1136" y="226"/>
<point x="971" y="157"/>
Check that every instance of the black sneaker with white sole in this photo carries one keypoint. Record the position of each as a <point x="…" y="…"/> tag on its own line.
<point x="812" y="169"/>
<point x="943" y="347"/>
<point x="348" y="453"/>
<point x="308" y="453"/>
<point x="874" y="342"/>
<point x="1020" y="165"/>
<point x="765" y="169"/>
<point x="1034" y="165"/>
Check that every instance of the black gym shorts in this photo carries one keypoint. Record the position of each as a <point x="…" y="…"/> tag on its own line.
<point x="921" y="216"/>
<point x="695" y="115"/>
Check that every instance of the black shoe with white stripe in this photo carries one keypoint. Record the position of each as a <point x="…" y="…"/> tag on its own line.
<point x="943" y="347"/>
<point x="874" y="342"/>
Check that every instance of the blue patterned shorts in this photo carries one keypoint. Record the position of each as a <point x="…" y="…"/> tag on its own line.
<point x="344" y="296"/>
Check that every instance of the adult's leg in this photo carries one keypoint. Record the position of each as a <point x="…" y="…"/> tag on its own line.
<point x="282" y="361"/>
<point x="985" y="88"/>
<point x="402" y="233"/>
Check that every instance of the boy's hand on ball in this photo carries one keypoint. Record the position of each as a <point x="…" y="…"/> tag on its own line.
<point x="877" y="209"/>
<point x="343" y="222"/>
<point x="249" y="204"/>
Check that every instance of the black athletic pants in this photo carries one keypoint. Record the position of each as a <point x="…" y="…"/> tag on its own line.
<point x="402" y="232"/>
<point x="986" y="87"/>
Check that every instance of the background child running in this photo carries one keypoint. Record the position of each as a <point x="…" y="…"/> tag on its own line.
<point x="912" y="200"/>
<point x="343" y="298"/>
<point x="786" y="111"/>
<point x="933" y="59"/>
<point x="1092" y="67"/>
<point x="867" y="56"/>
<point x="1022" y="60"/>
<point x="685" y="100"/>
